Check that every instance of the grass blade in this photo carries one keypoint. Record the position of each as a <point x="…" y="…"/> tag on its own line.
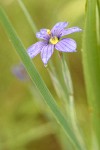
<point x="91" y="64"/>
<point x="28" y="17"/>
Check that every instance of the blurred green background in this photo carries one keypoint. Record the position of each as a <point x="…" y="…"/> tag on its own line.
<point x="25" y="120"/>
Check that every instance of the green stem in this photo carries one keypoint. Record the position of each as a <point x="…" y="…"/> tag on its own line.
<point x="71" y="105"/>
<point x="28" y="17"/>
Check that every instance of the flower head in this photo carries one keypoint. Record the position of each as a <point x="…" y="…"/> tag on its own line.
<point x="52" y="39"/>
<point x="20" y="72"/>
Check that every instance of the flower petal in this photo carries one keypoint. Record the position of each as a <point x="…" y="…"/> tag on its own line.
<point x="66" y="45"/>
<point x="58" y="28"/>
<point x="34" y="49"/>
<point x="70" y="30"/>
<point x="42" y="34"/>
<point x="60" y="25"/>
<point x="46" y="53"/>
<point x="43" y="31"/>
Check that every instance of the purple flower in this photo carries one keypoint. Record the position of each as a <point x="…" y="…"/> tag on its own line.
<point x="20" y="72"/>
<point x="52" y="39"/>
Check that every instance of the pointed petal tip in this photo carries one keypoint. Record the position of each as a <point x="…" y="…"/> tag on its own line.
<point x="58" y="27"/>
<point x="70" y="30"/>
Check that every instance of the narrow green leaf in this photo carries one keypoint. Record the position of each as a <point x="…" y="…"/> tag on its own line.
<point x="98" y="5"/>
<point x="35" y="77"/>
<point x="28" y="17"/>
<point x="91" y="64"/>
<point x="98" y="22"/>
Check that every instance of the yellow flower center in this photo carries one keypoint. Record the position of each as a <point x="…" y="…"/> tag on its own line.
<point x="48" y="32"/>
<point x="54" y="40"/>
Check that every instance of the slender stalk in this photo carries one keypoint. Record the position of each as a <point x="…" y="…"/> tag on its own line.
<point x="71" y="106"/>
<point x="63" y="92"/>
<point x="28" y="17"/>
